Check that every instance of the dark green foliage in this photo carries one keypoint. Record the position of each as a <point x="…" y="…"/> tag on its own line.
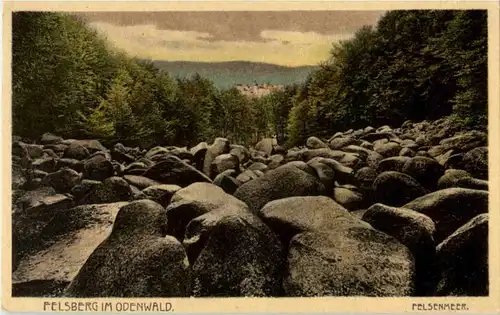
<point x="414" y="65"/>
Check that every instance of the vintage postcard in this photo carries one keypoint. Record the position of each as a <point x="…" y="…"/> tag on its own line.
<point x="251" y="157"/>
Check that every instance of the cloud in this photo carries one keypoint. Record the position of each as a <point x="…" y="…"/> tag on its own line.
<point x="290" y="48"/>
<point x="242" y="25"/>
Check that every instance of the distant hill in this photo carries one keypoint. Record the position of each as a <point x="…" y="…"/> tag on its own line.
<point x="228" y="74"/>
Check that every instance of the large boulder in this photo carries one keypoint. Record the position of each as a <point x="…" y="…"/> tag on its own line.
<point x="140" y="182"/>
<point x="76" y="151"/>
<point x="161" y="194"/>
<point x="46" y="164"/>
<point x="70" y="163"/>
<point x="450" y="208"/>
<point x="425" y="170"/>
<point x="461" y="178"/>
<point x="388" y="149"/>
<point x="49" y="138"/>
<point x="463" y="260"/>
<point x="396" y="189"/>
<point x="173" y="170"/>
<point x="148" y="265"/>
<point x="242" y="153"/>
<point x="199" y="152"/>
<point x="194" y="201"/>
<point x="290" y="216"/>
<point x="223" y="163"/>
<point x="98" y="167"/>
<point x="315" y="143"/>
<point x="227" y="182"/>
<point x="91" y="145"/>
<point x="112" y="189"/>
<point x="341" y="142"/>
<point x="476" y="162"/>
<point x="60" y="245"/>
<point x="365" y="177"/>
<point x="465" y="141"/>
<point x="352" y="260"/>
<point x="415" y="231"/>
<point x="240" y="255"/>
<point x="349" y="198"/>
<point x="284" y="181"/>
<point x="220" y="146"/>
<point x="395" y="163"/>
<point x="266" y="145"/>
<point x="63" y="180"/>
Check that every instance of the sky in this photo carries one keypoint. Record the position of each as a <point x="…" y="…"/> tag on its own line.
<point x="289" y="38"/>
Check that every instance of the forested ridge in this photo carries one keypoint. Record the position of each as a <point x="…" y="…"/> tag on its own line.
<point x="414" y="65"/>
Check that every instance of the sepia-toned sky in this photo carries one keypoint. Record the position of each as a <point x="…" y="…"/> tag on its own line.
<point x="291" y="38"/>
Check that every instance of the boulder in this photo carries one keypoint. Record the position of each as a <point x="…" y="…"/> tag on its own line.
<point x="227" y="182"/>
<point x="76" y="151"/>
<point x="415" y="231"/>
<point x="315" y="143"/>
<point x="70" y="163"/>
<point x="98" y="167"/>
<point x="112" y="189"/>
<point x="284" y="181"/>
<point x="161" y="194"/>
<point x="396" y="189"/>
<point x="465" y="141"/>
<point x="149" y="264"/>
<point x="349" y="199"/>
<point x="388" y="149"/>
<point x="266" y="145"/>
<point x="156" y="151"/>
<point x="59" y="245"/>
<point x="240" y="152"/>
<point x="84" y="187"/>
<point x="91" y="145"/>
<point x="352" y="260"/>
<point x="223" y="163"/>
<point x="323" y="172"/>
<point x="425" y="170"/>
<point x="476" y="162"/>
<point x="246" y="176"/>
<point x="140" y="182"/>
<point x="63" y="180"/>
<point x="288" y="217"/>
<point x="394" y="163"/>
<point x="22" y="149"/>
<point x="341" y="173"/>
<point x="32" y="198"/>
<point x="220" y="146"/>
<point x="365" y="177"/>
<point x="341" y="142"/>
<point x="49" y="138"/>
<point x="450" y="208"/>
<point x="173" y="170"/>
<point x="463" y="260"/>
<point x="275" y="161"/>
<point x="193" y="201"/>
<point x="119" y="154"/>
<point x="325" y="153"/>
<point x="199" y="152"/>
<point x="46" y="164"/>
<point x="240" y="255"/>
<point x="182" y="153"/>
<point x="461" y="178"/>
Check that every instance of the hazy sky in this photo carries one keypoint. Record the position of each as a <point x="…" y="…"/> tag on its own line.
<point x="289" y="38"/>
